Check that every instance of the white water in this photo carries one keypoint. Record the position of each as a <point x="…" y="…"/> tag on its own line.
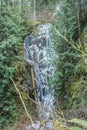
<point x="39" y="52"/>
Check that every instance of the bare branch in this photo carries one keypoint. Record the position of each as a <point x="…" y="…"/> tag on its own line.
<point x="75" y="47"/>
<point x="21" y="100"/>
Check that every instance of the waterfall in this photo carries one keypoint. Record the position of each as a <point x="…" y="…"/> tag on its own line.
<point x="39" y="52"/>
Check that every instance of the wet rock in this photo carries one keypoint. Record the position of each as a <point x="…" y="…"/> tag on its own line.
<point x="40" y="55"/>
<point x="39" y="52"/>
<point x="45" y="125"/>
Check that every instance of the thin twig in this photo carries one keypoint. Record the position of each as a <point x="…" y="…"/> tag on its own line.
<point x="22" y="100"/>
<point x="82" y="52"/>
<point x="33" y="101"/>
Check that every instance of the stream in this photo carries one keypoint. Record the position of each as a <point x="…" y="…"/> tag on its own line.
<point x="39" y="53"/>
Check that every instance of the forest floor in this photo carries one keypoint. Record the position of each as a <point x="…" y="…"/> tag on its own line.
<point x="79" y="112"/>
<point x="21" y="123"/>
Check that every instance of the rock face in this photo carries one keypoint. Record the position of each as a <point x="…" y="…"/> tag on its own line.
<point x="39" y="53"/>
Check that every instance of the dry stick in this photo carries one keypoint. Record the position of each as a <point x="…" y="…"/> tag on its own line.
<point x="33" y="83"/>
<point x="33" y="101"/>
<point x="22" y="100"/>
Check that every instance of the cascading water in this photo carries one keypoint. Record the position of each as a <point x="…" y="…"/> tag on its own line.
<point x="39" y="53"/>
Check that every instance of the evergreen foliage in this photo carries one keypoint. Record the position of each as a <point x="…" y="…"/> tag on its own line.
<point x="12" y="30"/>
<point x="41" y="4"/>
<point x="69" y="65"/>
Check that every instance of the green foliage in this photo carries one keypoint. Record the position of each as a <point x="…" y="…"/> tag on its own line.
<point x="75" y="128"/>
<point x="12" y="30"/>
<point x="79" y="122"/>
<point x="70" y="68"/>
<point x="66" y="55"/>
<point x="41" y="4"/>
<point x="74" y="124"/>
